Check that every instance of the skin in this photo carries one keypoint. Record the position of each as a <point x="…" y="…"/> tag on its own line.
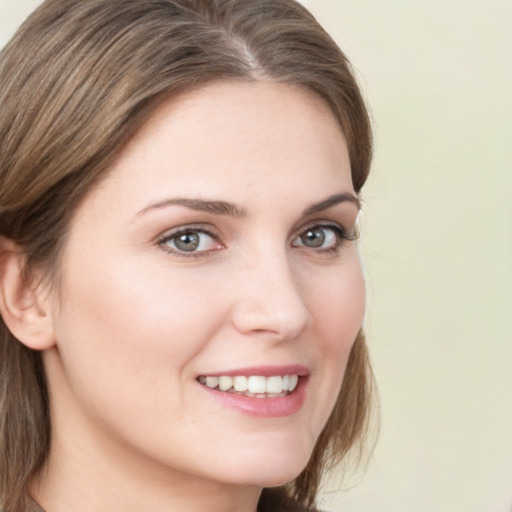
<point x="135" y="321"/>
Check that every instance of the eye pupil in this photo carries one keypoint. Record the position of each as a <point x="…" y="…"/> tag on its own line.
<point x="313" y="237"/>
<point x="187" y="242"/>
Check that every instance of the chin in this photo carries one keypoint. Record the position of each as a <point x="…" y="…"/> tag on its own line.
<point x="272" y="468"/>
<point x="282" y="477"/>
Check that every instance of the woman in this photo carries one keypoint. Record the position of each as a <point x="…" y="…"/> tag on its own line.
<point x="181" y="293"/>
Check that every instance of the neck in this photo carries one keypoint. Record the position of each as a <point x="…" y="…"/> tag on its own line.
<point x="77" y="486"/>
<point x="100" y="477"/>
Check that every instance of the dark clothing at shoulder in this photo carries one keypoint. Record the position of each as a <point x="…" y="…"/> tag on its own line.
<point x="32" y="506"/>
<point x="276" y="500"/>
<point x="272" y="500"/>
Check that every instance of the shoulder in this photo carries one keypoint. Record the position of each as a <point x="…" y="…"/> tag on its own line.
<point x="30" y="506"/>
<point x="277" y="500"/>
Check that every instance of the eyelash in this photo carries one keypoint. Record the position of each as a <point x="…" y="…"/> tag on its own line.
<point x="174" y="235"/>
<point x="342" y="236"/>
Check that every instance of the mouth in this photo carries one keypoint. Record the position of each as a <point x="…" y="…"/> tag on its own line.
<point x="262" y="391"/>
<point x="253" y="386"/>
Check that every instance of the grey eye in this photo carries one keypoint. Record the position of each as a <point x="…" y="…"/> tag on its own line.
<point x="187" y="242"/>
<point x="322" y="237"/>
<point x="313" y="237"/>
<point x="190" y="241"/>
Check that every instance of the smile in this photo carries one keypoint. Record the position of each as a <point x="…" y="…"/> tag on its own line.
<point x="254" y="386"/>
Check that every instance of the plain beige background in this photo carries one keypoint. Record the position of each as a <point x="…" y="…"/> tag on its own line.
<point x="437" y="245"/>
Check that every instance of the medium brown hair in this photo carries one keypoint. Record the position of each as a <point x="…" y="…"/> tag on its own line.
<point x="77" y="81"/>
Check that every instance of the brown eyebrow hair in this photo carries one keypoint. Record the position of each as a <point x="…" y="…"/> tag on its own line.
<point x="333" y="200"/>
<point x="204" y="205"/>
<point x="233" y="210"/>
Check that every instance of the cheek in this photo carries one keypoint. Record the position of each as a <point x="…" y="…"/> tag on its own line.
<point x="126" y="331"/>
<point x="338" y="307"/>
<point x="338" y="311"/>
<point x="128" y="339"/>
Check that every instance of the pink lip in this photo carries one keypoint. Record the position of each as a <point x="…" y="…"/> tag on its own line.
<point x="264" y="407"/>
<point x="264" y="371"/>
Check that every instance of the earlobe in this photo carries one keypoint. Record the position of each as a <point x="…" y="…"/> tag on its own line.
<point x="23" y="306"/>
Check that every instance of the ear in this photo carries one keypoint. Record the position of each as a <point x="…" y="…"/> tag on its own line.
<point x="24" y="307"/>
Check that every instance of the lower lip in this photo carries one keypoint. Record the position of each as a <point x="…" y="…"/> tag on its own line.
<point x="263" y="407"/>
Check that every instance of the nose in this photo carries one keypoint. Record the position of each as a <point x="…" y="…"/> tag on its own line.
<point x="269" y="300"/>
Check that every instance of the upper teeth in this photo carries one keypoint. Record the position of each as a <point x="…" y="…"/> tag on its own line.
<point x="256" y="384"/>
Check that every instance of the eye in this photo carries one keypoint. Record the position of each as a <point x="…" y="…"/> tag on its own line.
<point x="190" y="240"/>
<point x="322" y="237"/>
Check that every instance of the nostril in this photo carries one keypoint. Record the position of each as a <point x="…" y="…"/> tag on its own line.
<point x="268" y="301"/>
<point x="280" y="324"/>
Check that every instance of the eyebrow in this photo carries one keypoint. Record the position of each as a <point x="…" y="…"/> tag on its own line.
<point x="203" y="205"/>
<point x="233" y="210"/>
<point x="331" y="201"/>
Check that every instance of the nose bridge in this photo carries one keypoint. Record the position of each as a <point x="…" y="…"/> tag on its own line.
<point x="270" y="299"/>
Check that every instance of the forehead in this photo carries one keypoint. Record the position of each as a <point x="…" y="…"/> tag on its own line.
<point x="231" y="138"/>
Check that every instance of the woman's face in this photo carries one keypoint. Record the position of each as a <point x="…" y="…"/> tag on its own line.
<point x="220" y="245"/>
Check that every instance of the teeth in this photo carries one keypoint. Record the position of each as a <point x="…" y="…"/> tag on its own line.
<point x="241" y="383"/>
<point x="275" y="385"/>
<point x="212" y="382"/>
<point x="225" y="383"/>
<point x="294" y="379"/>
<point x="255" y="386"/>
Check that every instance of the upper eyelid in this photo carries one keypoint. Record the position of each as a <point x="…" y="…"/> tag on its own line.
<point x="202" y="228"/>
<point x="351" y="234"/>
<point x="322" y="223"/>
<point x="171" y="234"/>
<point x="213" y="231"/>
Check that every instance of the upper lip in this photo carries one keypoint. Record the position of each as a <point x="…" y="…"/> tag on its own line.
<point x="264" y="371"/>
